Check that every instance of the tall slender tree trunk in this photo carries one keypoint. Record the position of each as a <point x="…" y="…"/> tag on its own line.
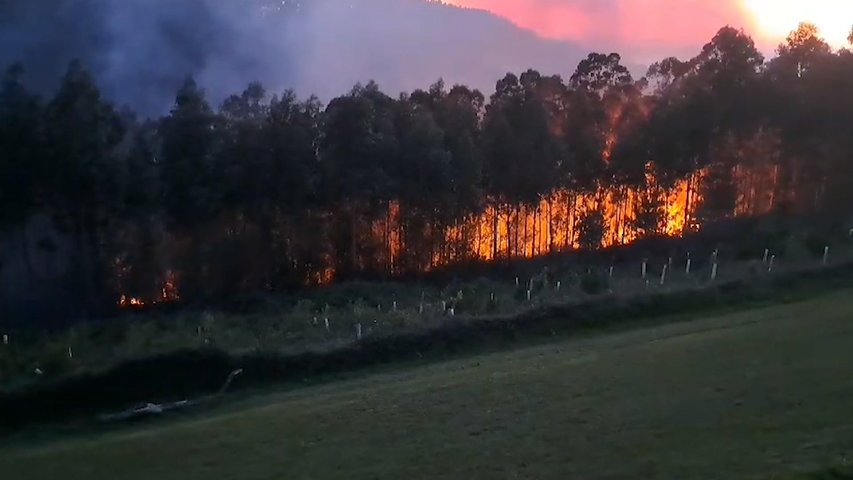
<point x="517" y="229"/>
<point x="623" y="224"/>
<point x="775" y="189"/>
<point x="96" y="280"/>
<point x="572" y="223"/>
<point x="26" y="252"/>
<point x="495" y="231"/>
<point x="389" y="238"/>
<point x="510" y="246"/>
<point x="526" y="240"/>
<point x="569" y="213"/>
<point x="267" y="227"/>
<point x="354" y="243"/>
<point x="536" y="249"/>
<point x="508" y="242"/>
<point x="687" y="204"/>
<point x="550" y="225"/>
<point x="84" y="270"/>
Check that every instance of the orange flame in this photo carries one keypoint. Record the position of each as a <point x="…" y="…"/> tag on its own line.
<point x="129" y="302"/>
<point x="558" y="222"/>
<point x="168" y="292"/>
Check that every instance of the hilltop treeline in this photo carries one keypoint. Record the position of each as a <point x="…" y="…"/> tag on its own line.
<point x="270" y="192"/>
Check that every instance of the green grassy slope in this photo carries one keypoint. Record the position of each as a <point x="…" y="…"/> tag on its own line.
<point x="757" y="394"/>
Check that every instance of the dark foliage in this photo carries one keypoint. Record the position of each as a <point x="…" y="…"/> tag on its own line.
<point x="270" y="193"/>
<point x="195" y="373"/>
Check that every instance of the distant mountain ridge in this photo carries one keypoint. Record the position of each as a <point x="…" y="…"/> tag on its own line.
<point x="141" y="50"/>
<point x="405" y="44"/>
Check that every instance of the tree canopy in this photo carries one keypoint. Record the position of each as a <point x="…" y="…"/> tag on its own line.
<point x="268" y="191"/>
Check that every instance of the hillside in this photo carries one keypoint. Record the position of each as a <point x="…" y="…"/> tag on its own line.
<point x="757" y="394"/>
<point x="141" y="50"/>
<point x="405" y="44"/>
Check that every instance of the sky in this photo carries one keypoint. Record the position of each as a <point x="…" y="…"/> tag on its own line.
<point x="652" y="29"/>
<point x="140" y="51"/>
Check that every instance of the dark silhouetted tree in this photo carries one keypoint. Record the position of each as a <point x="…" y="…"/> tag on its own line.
<point x="22" y="165"/>
<point x="192" y="137"/>
<point x="357" y="154"/>
<point x="82" y="132"/>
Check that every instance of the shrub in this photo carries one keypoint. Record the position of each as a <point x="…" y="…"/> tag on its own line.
<point x="55" y="361"/>
<point x="593" y="282"/>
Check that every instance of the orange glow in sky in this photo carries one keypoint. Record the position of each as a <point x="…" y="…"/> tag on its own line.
<point x="775" y="18"/>
<point x="657" y="27"/>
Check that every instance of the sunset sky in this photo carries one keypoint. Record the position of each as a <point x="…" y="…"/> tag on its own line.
<point x="649" y="29"/>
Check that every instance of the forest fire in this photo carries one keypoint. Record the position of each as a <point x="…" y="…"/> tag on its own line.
<point x="566" y="220"/>
<point x="561" y="221"/>
<point x="398" y="241"/>
<point x="437" y="178"/>
<point x="130" y="302"/>
<point x="168" y="294"/>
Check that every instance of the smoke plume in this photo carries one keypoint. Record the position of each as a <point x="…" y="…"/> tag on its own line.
<point x="141" y="50"/>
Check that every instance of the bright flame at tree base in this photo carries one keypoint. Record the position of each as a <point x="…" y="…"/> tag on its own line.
<point x="168" y="294"/>
<point x="564" y="221"/>
<point x="567" y="220"/>
<point x="405" y="241"/>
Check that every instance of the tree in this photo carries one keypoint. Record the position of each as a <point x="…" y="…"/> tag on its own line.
<point x="243" y="156"/>
<point x="458" y="114"/>
<point x="719" y="93"/>
<point x="602" y="91"/>
<point x="274" y="192"/>
<point x="664" y="75"/>
<point x="823" y="141"/>
<point x="800" y="52"/>
<point x="359" y="145"/>
<point x="191" y="141"/>
<point x="592" y="228"/>
<point x="290" y="178"/>
<point x="501" y="158"/>
<point x="728" y="68"/>
<point x="82" y="132"/>
<point x="717" y="190"/>
<point x="139" y="268"/>
<point x="626" y="149"/>
<point x="291" y="174"/>
<point x="357" y="156"/>
<point x="599" y="73"/>
<point x="139" y="179"/>
<point x="521" y="143"/>
<point x="583" y="137"/>
<point x="21" y="150"/>
<point x="806" y="90"/>
<point x="423" y="171"/>
<point x="194" y="182"/>
<point x="537" y="130"/>
<point x="250" y="105"/>
<point x="650" y="216"/>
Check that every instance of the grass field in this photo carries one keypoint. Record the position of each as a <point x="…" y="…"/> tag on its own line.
<point x="286" y="325"/>
<point x="759" y="394"/>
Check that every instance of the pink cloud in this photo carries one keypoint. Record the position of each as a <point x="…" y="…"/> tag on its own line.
<point x="642" y="28"/>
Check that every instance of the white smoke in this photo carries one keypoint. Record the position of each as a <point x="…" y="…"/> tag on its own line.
<point x="141" y="50"/>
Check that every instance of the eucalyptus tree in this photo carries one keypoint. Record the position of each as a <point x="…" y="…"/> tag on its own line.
<point x="81" y="134"/>
<point x="22" y="162"/>
<point x="358" y="151"/>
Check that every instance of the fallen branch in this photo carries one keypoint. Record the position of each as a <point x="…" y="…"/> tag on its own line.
<point x="154" y="409"/>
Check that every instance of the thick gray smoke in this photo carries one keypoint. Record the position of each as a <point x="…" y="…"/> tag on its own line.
<point x="141" y="50"/>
